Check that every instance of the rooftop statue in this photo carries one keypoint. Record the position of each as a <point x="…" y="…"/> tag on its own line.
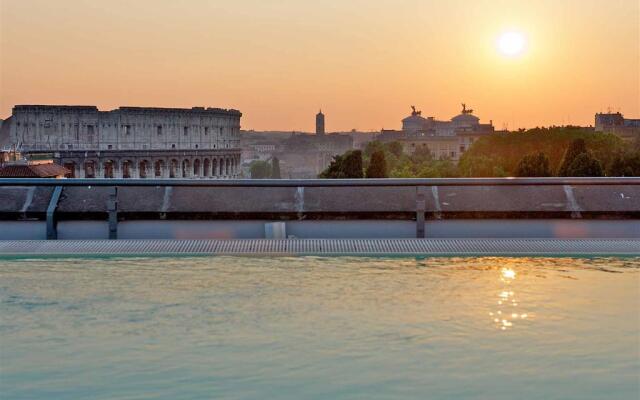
<point x="464" y="109"/>
<point x="414" y="112"/>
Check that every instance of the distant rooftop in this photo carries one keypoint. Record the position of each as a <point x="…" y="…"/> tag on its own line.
<point x="32" y="169"/>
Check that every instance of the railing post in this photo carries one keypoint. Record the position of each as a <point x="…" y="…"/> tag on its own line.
<point x="420" y="210"/>
<point x="52" y="224"/>
<point x="112" y="209"/>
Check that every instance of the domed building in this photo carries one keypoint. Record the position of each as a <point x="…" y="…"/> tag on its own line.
<point x="415" y="122"/>
<point x="445" y="139"/>
<point x="465" y="119"/>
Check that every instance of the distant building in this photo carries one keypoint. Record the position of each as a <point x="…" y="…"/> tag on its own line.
<point x="32" y="169"/>
<point x="130" y="142"/>
<point x="445" y="139"/>
<point x="616" y="123"/>
<point x="320" y="124"/>
<point x="301" y="155"/>
<point x="306" y="156"/>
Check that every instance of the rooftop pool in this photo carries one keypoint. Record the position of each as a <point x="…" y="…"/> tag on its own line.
<point x="320" y="328"/>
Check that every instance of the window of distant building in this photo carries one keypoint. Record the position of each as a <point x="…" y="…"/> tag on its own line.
<point x="206" y="130"/>
<point x="109" y="147"/>
<point x="159" y="130"/>
<point x="127" y="129"/>
<point x="173" y="146"/>
<point x="461" y="149"/>
<point x="186" y="130"/>
<point x="453" y="154"/>
<point x="196" y="146"/>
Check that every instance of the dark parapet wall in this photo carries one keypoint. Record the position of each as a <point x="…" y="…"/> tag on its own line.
<point x="300" y="204"/>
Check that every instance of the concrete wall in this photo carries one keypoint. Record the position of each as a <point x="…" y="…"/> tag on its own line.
<point x="349" y="212"/>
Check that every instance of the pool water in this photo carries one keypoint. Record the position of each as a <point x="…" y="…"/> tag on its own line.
<point x="320" y="328"/>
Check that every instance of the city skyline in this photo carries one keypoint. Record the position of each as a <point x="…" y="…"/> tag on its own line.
<point x="362" y="63"/>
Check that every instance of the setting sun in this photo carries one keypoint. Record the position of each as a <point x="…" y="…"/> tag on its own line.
<point x="511" y="44"/>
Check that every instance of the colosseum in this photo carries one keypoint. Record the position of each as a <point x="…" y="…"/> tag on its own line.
<point x="131" y="142"/>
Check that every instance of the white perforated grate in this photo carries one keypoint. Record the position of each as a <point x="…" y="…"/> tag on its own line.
<point x="412" y="247"/>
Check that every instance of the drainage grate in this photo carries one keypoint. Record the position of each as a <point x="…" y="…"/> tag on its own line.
<point x="362" y="247"/>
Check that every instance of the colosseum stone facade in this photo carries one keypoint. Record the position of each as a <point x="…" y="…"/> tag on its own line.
<point x="132" y="142"/>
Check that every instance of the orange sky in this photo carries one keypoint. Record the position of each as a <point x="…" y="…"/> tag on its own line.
<point x="363" y="61"/>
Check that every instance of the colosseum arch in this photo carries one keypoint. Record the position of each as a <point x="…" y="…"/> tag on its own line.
<point x="228" y="165"/>
<point x="173" y="168"/>
<point x="196" y="167"/>
<point x="71" y="166"/>
<point x="127" y="169"/>
<point x="89" y="169"/>
<point x="158" y="168"/>
<point x="143" y="169"/>
<point x="207" y="167"/>
<point x="214" y="167"/>
<point x="109" y="167"/>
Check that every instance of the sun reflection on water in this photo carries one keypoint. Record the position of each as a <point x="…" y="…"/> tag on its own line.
<point x="507" y="274"/>
<point x="507" y="310"/>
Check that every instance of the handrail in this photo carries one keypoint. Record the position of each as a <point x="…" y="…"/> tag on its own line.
<point x="391" y="182"/>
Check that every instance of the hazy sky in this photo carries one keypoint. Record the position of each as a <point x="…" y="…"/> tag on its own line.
<point x="363" y="61"/>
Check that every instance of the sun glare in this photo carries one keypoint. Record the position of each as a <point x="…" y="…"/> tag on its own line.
<point x="511" y="44"/>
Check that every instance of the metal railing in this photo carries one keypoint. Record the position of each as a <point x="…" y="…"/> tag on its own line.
<point x="421" y="184"/>
<point x="389" y="182"/>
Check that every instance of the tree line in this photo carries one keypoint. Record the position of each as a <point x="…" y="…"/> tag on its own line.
<point x="539" y="152"/>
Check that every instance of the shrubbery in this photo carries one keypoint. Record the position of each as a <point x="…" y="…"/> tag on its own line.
<point x="540" y="152"/>
<point x="534" y="165"/>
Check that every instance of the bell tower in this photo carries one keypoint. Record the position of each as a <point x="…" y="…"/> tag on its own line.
<point x="320" y="124"/>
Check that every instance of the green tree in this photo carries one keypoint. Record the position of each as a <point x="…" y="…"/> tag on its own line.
<point x="625" y="164"/>
<point x="585" y="164"/>
<point x="260" y="170"/>
<point x="392" y="152"/>
<point x="395" y="148"/>
<point x="346" y="166"/>
<point x="377" y="166"/>
<point x="421" y="154"/>
<point x="480" y="165"/>
<point x="507" y="149"/>
<point x="352" y="165"/>
<point x="575" y="149"/>
<point x="333" y="171"/>
<point x="534" y="165"/>
<point x="275" y="168"/>
<point x="372" y="147"/>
